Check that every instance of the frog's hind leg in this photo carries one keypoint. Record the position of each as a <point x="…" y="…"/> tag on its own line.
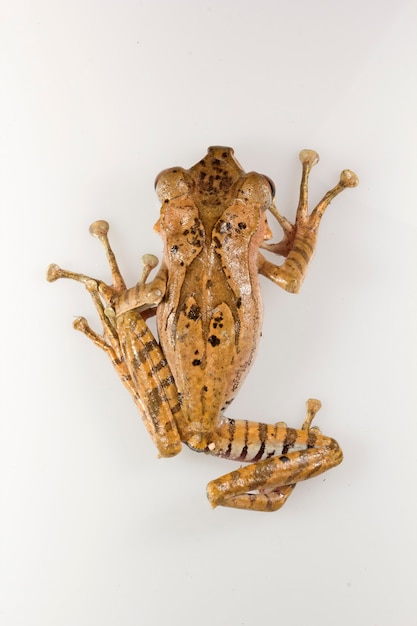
<point x="279" y="458"/>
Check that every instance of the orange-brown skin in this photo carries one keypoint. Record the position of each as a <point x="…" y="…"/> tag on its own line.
<point x="209" y="313"/>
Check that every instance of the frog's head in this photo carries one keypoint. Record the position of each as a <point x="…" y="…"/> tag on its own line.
<point x="212" y="177"/>
<point x="217" y="172"/>
<point x="211" y="180"/>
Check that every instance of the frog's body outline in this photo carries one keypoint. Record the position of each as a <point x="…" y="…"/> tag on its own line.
<point x="208" y="306"/>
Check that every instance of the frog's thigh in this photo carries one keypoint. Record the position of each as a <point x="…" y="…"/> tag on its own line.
<point x="265" y="485"/>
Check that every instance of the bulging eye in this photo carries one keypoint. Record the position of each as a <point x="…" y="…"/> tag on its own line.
<point x="172" y="183"/>
<point x="271" y="184"/>
<point x="257" y="189"/>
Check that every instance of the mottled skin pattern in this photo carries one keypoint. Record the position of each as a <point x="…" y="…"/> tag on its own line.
<point x="209" y="314"/>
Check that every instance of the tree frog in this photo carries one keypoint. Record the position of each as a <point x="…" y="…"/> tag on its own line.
<point x="208" y="307"/>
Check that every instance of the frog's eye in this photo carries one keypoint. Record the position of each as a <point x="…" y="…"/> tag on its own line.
<point x="172" y="183"/>
<point x="271" y="184"/>
<point x="257" y="189"/>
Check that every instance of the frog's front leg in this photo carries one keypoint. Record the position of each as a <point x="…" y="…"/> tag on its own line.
<point x="299" y="241"/>
<point x="130" y="344"/>
<point x="279" y="458"/>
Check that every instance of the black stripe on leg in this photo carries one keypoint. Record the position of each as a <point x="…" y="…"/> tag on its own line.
<point x="232" y="428"/>
<point x="244" y="452"/>
<point x="262" y="434"/>
<point x="290" y="438"/>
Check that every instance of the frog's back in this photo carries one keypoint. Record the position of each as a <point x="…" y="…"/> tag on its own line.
<point x="210" y="320"/>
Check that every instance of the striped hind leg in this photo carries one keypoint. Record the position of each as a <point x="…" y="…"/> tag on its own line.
<point x="279" y="457"/>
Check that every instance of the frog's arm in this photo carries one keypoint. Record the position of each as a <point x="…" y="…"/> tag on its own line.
<point x="299" y="241"/>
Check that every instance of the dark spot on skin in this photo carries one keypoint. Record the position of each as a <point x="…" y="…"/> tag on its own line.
<point x="196" y="362"/>
<point x="223" y="227"/>
<point x="186" y="231"/>
<point x="156" y="368"/>
<point x="174" y="249"/>
<point x="217" y="321"/>
<point x="284" y="459"/>
<point x="167" y="382"/>
<point x="196" y="352"/>
<point x="205" y="388"/>
<point x="224" y="155"/>
<point x="213" y="340"/>
<point x="226" y="183"/>
<point x="182" y="263"/>
<point x="242" y="225"/>
<point x="202" y="162"/>
<point x="209" y="284"/>
<point x="217" y="243"/>
<point x="239" y="303"/>
<point x="194" y="312"/>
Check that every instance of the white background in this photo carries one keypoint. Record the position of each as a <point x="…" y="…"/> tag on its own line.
<point x="97" y="98"/>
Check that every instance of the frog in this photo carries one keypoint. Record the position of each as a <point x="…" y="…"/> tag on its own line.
<point x="207" y="302"/>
